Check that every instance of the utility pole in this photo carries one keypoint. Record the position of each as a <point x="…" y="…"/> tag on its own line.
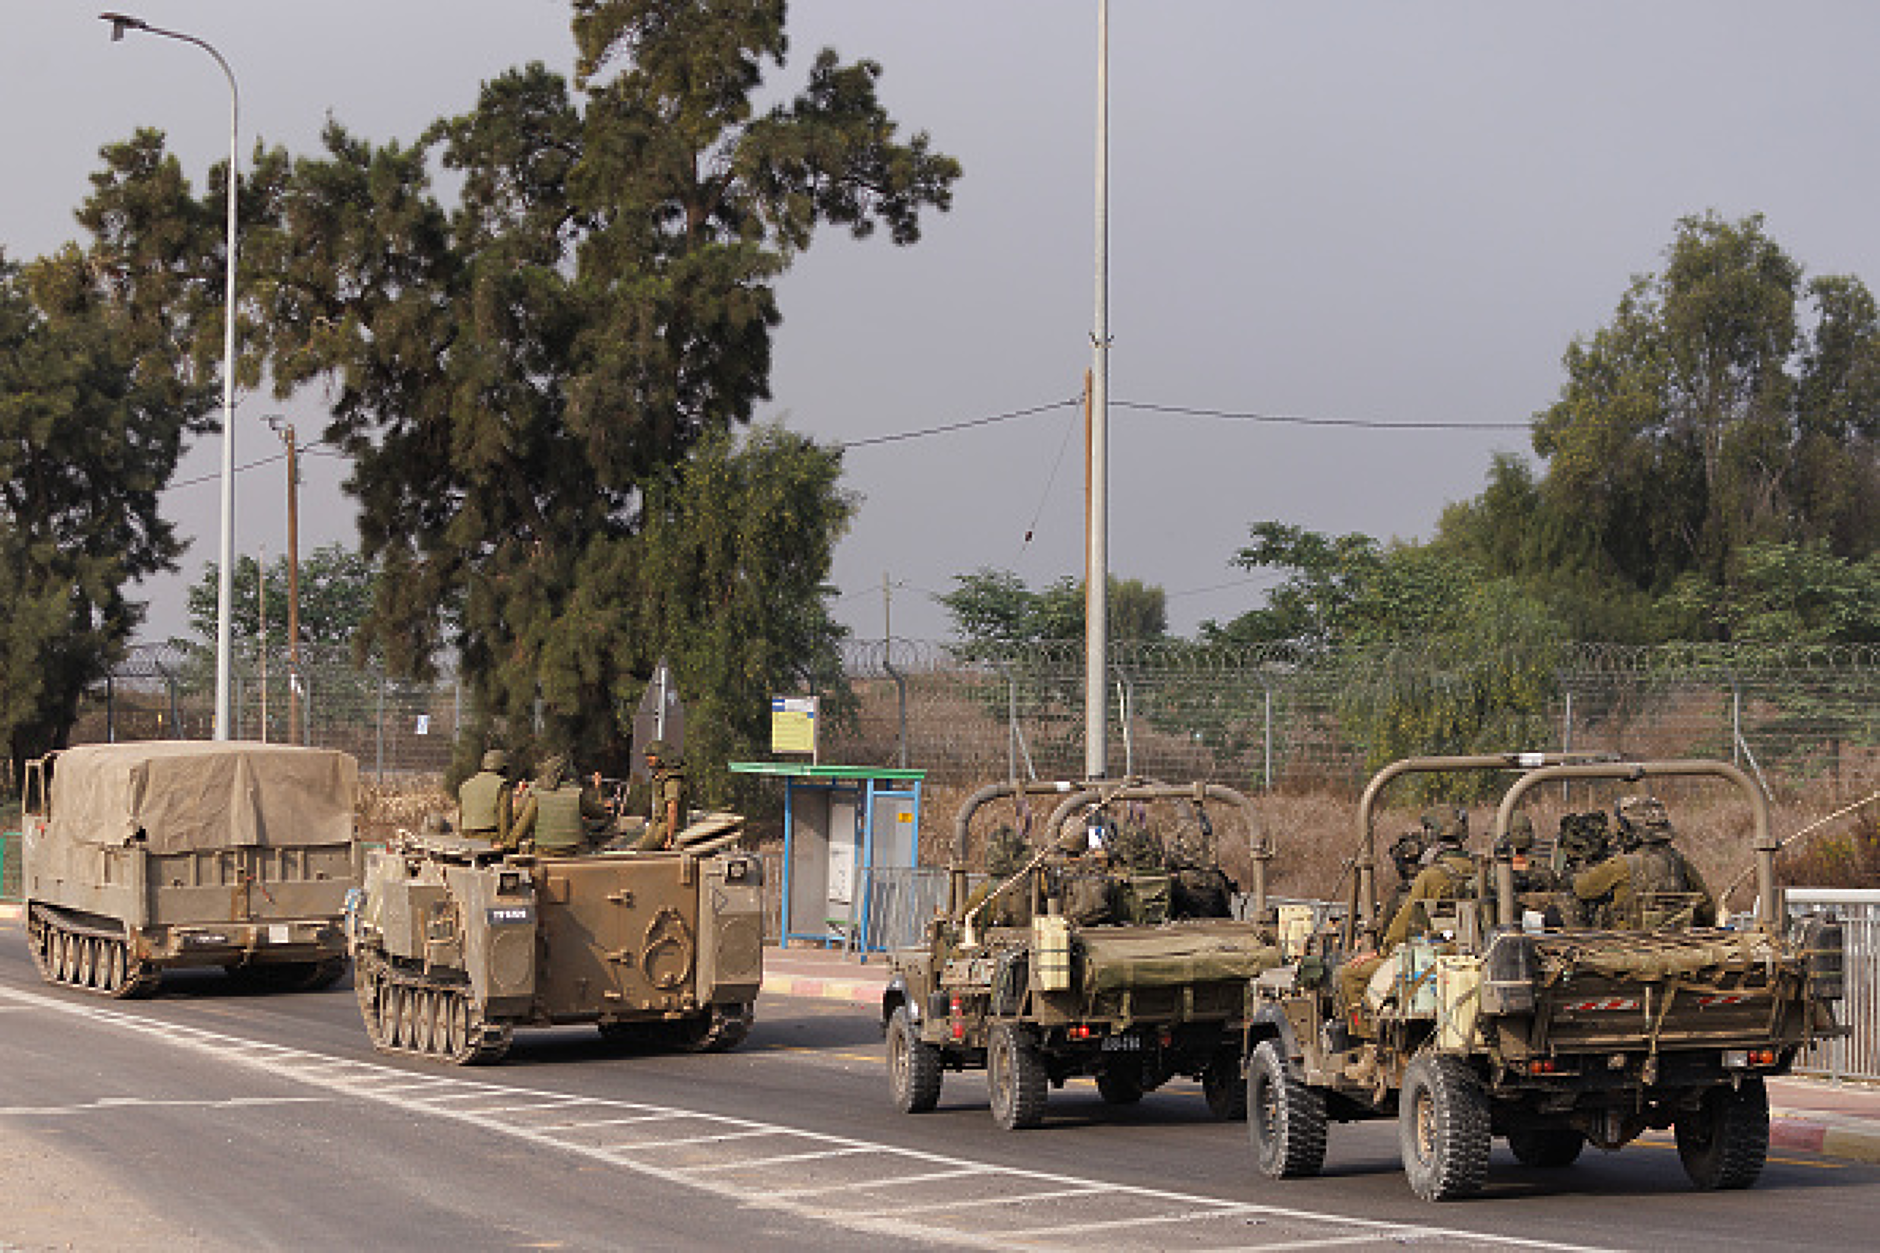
<point x="1097" y="521"/>
<point x="261" y="633"/>
<point x="296" y="733"/>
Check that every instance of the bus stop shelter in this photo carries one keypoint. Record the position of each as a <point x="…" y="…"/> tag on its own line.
<point x="842" y="827"/>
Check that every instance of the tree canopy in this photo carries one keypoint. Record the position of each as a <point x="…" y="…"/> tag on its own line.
<point x="522" y="373"/>
<point x="995" y="609"/>
<point x="336" y="590"/>
<point x="1728" y="404"/>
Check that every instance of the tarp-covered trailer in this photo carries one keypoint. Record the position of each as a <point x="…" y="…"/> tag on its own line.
<point x="171" y="853"/>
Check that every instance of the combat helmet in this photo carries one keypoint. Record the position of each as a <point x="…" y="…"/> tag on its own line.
<point x="496" y="761"/>
<point x="1447" y="825"/>
<point x="552" y="771"/>
<point x="1644" y="817"/>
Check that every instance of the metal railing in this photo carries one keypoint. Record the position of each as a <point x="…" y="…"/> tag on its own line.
<point x="1856" y="1055"/>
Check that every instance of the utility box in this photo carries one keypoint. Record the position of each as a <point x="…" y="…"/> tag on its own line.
<point x="851" y="838"/>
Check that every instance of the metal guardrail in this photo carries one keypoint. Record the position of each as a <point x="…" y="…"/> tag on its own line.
<point x="1857" y="1055"/>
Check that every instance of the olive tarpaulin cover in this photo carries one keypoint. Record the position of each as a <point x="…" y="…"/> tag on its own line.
<point x="186" y="795"/>
<point x="1155" y="957"/>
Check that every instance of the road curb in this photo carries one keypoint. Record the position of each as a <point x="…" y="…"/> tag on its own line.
<point x="1829" y="1137"/>
<point x="856" y="993"/>
<point x="10" y="913"/>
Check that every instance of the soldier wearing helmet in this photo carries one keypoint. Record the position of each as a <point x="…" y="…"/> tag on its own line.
<point x="1006" y="855"/>
<point x="669" y="798"/>
<point x="560" y="815"/>
<point x="1654" y="886"/>
<point x="1448" y="871"/>
<point x="486" y="801"/>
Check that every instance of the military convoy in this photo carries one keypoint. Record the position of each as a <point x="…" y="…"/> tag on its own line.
<point x="1494" y="1021"/>
<point x="141" y="858"/>
<point x="456" y="943"/>
<point x="1045" y="988"/>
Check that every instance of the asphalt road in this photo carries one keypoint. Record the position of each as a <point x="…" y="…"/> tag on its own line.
<point x="202" y="1119"/>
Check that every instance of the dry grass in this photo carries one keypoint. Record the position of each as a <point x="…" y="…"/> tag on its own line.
<point x="386" y="808"/>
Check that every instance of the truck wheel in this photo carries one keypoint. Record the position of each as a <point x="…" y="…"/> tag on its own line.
<point x="1120" y="1082"/>
<point x="1224" y="1089"/>
<point x="1547" y="1148"/>
<point x="913" y="1066"/>
<point x="1443" y="1128"/>
<point x="1285" y="1118"/>
<point x="1016" y="1077"/>
<point x="1725" y="1140"/>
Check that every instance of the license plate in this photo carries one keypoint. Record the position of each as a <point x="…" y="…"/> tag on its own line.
<point x="1121" y="1044"/>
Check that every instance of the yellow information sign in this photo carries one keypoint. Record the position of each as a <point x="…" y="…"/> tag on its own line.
<point x="793" y="724"/>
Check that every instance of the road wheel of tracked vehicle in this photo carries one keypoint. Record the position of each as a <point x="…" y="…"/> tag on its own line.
<point x="369" y="989"/>
<point x="1016" y="1078"/>
<point x="914" y="1072"/>
<point x="423" y="1019"/>
<point x="1120" y="1081"/>
<point x="1223" y="1088"/>
<point x="1285" y="1118"/>
<point x="63" y="941"/>
<point x="39" y="943"/>
<point x="456" y="1025"/>
<point x="1443" y="1128"/>
<point x="1547" y="1148"/>
<point x="112" y="955"/>
<point x="399" y="1033"/>
<point x="87" y="961"/>
<point x="1725" y="1140"/>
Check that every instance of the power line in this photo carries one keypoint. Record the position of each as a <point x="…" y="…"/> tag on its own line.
<point x="960" y="426"/>
<point x="1285" y="419"/>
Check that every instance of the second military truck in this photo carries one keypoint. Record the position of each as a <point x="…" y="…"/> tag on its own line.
<point x="456" y="943"/>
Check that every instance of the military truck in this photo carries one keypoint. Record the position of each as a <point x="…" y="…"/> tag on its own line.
<point x="455" y="943"/>
<point x="1494" y="1023"/>
<point x="141" y="858"/>
<point x="1133" y="1001"/>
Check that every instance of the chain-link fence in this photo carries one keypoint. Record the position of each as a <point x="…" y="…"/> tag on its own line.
<point x="393" y="727"/>
<point x="1255" y="718"/>
<point x="1285" y="717"/>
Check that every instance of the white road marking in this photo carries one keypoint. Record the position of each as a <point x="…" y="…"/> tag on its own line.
<point x="784" y="1160"/>
<point x="401" y="1090"/>
<point x="138" y="1102"/>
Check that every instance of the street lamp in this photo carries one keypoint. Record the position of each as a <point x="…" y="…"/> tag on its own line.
<point x="225" y="583"/>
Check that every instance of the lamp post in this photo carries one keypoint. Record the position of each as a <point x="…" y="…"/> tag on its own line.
<point x="225" y="582"/>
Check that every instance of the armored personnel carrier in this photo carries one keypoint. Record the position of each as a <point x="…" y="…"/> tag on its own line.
<point x="1493" y="1021"/>
<point x="455" y="944"/>
<point x="145" y="857"/>
<point x="1033" y="986"/>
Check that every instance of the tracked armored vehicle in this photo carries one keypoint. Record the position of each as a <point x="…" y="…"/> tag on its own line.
<point x="1036" y="994"/>
<point x="456" y="944"/>
<point x="146" y="857"/>
<point x="1491" y="1021"/>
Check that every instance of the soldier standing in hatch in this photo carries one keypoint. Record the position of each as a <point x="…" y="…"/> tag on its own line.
<point x="559" y="814"/>
<point x="486" y="801"/>
<point x="669" y="799"/>
<point x="1653" y="886"/>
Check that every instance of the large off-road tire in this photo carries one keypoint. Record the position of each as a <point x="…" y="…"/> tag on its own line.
<point x="1547" y="1148"/>
<point x="1015" y="1077"/>
<point x="1725" y="1140"/>
<point x="913" y="1066"/>
<point x="1443" y="1128"/>
<point x="1223" y="1087"/>
<point x="1120" y="1081"/>
<point x="1285" y="1118"/>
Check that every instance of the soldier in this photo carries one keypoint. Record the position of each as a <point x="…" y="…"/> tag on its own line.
<point x="1006" y="855"/>
<point x="1537" y="886"/>
<point x="1198" y="887"/>
<point x="1653" y="887"/>
<point x="1448" y="874"/>
<point x="559" y="814"/>
<point x="1448" y="871"/>
<point x="486" y="801"/>
<point x="669" y="799"/>
<point x="1406" y="854"/>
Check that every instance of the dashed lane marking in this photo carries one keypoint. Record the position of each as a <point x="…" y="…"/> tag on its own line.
<point x="718" y="1154"/>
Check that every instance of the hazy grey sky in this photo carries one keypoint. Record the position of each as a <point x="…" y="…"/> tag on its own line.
<point x="1384" y="212"/>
